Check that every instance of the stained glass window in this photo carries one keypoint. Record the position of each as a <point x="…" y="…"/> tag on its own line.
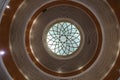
<point x="63" y="38"/>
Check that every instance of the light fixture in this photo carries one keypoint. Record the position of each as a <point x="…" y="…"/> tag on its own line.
<point x="2" y="52"/>
<point x="7" y="6"/>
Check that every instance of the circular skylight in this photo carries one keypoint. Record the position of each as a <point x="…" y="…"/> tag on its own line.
<point x="63" y="38"/>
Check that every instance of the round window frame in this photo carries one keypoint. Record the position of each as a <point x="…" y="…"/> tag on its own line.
<point x="61" y="38"/>
<point x="50" y="52"/>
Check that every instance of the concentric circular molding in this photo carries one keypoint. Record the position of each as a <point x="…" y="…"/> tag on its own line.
<point x="110" y="41"/>
<point x="37" y="46"/>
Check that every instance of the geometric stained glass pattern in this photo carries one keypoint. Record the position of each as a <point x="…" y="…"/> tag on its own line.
<point x="63" y="38"/>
